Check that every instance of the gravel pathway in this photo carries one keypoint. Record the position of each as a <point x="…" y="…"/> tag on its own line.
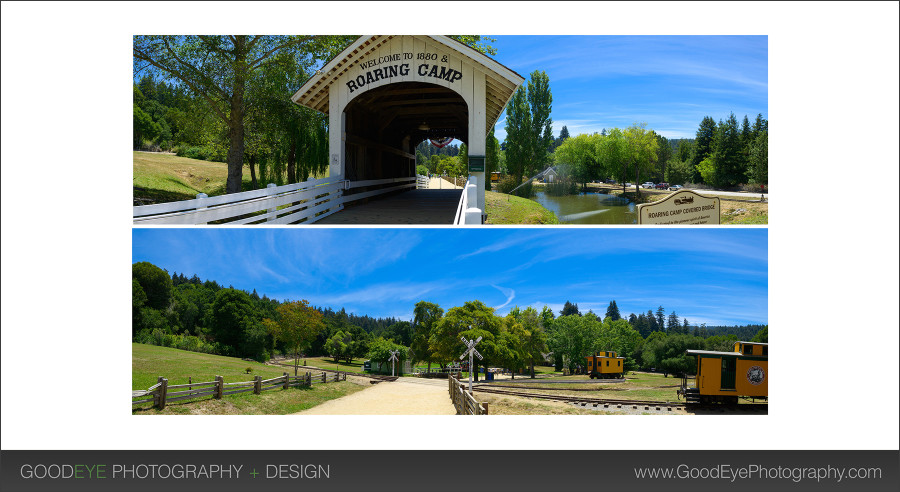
<point x="406" y="396"/>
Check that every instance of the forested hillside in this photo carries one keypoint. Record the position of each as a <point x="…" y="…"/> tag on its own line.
<point x="189" y="313"/>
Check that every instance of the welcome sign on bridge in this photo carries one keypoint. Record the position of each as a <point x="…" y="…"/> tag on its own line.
<point x="681" y="207"/>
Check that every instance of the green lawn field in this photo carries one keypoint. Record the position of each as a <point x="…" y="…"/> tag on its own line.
<point x="149" y="361"/>
<point x="164" y="178"/>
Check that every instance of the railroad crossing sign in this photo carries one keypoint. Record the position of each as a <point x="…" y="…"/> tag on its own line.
<point x="470" y="351"/>
<point x="393" y="360"/>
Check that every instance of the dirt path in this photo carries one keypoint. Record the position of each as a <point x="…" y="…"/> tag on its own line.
<point x="442" y="184"/>
<point x="406" y="396"/>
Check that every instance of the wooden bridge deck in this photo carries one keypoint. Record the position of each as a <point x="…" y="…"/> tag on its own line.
<point x="410" y="207"/>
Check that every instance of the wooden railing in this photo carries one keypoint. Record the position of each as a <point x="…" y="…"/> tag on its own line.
<point x="467" y="212"/>
<point x="465" y="402"/>
<point x="422" y="182"/>
<point x="304" y="202"/>
<point x="161" y="393"/>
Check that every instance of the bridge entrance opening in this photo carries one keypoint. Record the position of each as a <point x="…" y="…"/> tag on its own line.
<point x="384" y="125"/>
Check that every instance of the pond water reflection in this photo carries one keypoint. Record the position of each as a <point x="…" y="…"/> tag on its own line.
<point x="589" y="208"/>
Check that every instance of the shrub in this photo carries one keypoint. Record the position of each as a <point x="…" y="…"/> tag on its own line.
<point x="754" y="188"/>
<point x="506" y="184"/>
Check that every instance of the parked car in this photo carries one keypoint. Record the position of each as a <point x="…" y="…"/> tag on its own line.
<point x="647" y="185"/>
<point x="662" y="186"/>
<point x="610" y="181"/>
<point x="675" y="187"/>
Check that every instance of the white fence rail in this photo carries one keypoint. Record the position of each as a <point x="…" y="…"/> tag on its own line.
<point x="422" y="182"/>
<point x="467" y="212"/>
<point x="304" y="202"/>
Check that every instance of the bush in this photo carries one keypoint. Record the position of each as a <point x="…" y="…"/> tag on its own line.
<point x="754" y="188"/>
<point x="509" y="183"/>
<point x="506" y="184"/>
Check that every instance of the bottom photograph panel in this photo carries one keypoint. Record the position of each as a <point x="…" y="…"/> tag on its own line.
<point x="449" y="321"/>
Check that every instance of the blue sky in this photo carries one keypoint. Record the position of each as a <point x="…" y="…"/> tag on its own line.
<point x="713" y="276"/>
<point x="668" y="82"/>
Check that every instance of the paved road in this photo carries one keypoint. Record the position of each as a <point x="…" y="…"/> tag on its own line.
<point x="405" y="396"/>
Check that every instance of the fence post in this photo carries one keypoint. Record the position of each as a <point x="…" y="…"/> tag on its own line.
<point x="270" y="190"/>
<point x="220" y="387"/>
<point x="309" y="379"/>
<point x="285" y="380"/>
<point x="323" y="377"/>
<point x="164" y="383"/>
<point x="485" y="405"/>
<point x="190" y="388"/>
<point x="257" y="384"/>
<point x="201" y="205"/>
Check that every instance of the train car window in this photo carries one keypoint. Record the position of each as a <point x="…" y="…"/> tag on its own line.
<point x="748" y="350"/>
<point x="607" y="363"/>
<point x="765" y="350"/>
<point x="619" y="362"/>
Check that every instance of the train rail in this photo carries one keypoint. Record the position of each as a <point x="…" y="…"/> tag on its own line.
<point x="375" y="377"/>
<point x="613" y="404"/>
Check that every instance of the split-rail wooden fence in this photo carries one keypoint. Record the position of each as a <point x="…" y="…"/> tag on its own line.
<point x="160" y="393"/>
<point x="465" y="402"/>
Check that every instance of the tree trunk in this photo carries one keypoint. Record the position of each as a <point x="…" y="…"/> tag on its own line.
<point x="236" y="126"/>
<point x="251" y="159"/>
<point x="532" y="370"/>
<point x="292" y="160"/>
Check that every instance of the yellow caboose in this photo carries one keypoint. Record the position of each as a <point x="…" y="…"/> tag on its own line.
<point x="605" y="365"/>
<point x="723" y="377"/>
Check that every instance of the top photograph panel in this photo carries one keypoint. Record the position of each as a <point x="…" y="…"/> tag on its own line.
<point x="450" y="130"/>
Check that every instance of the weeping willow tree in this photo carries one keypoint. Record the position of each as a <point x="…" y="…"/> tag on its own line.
<point x="287" y="143"/>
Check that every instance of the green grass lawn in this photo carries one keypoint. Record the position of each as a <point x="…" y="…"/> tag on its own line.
<point x="149" y="361"/>
<point x="163" y="178"/>
<point x="328" y="363"/>
<point x="508" y="209"/>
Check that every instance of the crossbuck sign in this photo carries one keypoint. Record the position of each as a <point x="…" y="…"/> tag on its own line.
<point x="470" y="351"/>
<point x="393" y="360"/>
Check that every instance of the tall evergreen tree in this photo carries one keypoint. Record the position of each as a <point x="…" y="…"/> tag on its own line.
<point x="661" y="317"/>
<point x="759" y="159"/>
<point x="726" y="154"/>
<point x="569" y="309"/>
<point x="702" y="145"/>
<point x="613" y="311"/>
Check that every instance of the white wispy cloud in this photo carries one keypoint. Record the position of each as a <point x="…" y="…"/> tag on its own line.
<point x="509" y="293"/>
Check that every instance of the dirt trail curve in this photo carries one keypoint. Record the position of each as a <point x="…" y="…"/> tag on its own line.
<point x="406" y="396"/>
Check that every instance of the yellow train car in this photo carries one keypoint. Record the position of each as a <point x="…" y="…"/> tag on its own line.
<point x="605" y="365"/>
<point x="724" y="377"/>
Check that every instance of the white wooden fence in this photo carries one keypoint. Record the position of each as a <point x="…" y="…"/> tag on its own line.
<point x="422" y="182"/>
<point x="467" y="212"/>
<point x="304" y="202"/>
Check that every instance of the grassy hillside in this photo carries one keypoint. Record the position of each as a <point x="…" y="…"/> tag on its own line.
<point x="507" y="209"/>
<point x="163" y="178"/>
<point x="149" y="361"/>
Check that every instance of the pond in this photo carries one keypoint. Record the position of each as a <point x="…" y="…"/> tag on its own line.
<point x="589" y="208"/>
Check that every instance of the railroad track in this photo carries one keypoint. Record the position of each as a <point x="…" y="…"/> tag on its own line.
<point x="376" y="377"/>
<point x="615" y="404"/>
